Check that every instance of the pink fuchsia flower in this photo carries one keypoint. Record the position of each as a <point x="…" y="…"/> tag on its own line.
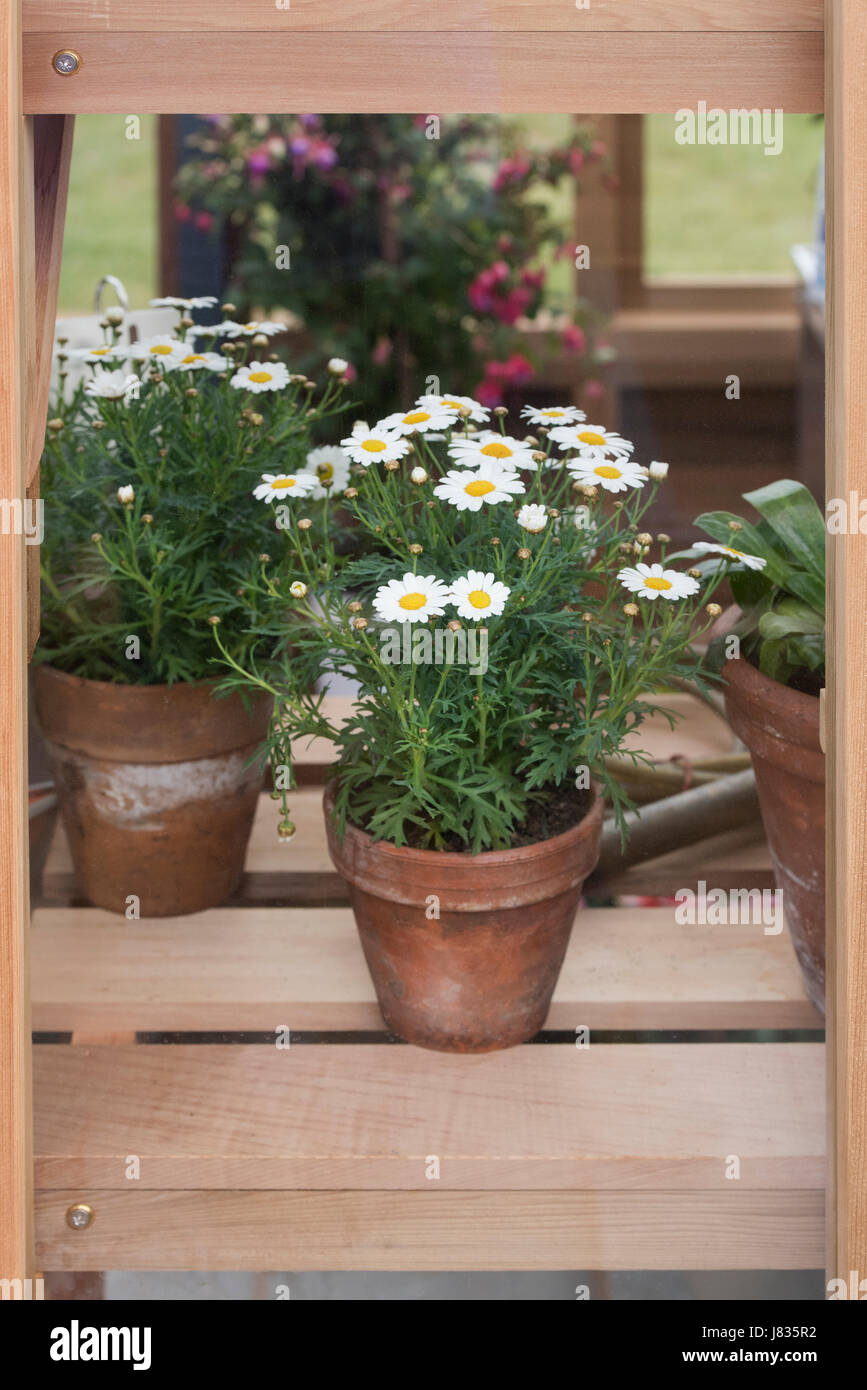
<point x="204" y="221"/>
<point x="382" y="351"/>
<point x="577" y="160"/>
<point x="510" y="173"/>
<point x="535" y="279"/>
<point x="350" y="374"/>
<point x="258" y="162"/>
<point x="183" y="213"/>
<point x="594" y="390"/>
<point x="598" y="150"/>
<point x="574" y="339"/>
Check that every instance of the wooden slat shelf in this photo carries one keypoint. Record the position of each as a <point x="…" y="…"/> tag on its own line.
<point x="315" y="1156"/>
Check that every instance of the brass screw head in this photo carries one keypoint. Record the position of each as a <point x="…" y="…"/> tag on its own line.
<point x="66" y="62"/>
<point x="79" y="1216"/>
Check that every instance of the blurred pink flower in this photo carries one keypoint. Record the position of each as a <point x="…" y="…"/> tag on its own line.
<point x="573" y="338"/>
<point x="382" y="350"/>
<point x="204" y="221"/>
<point x="594" y="390"/>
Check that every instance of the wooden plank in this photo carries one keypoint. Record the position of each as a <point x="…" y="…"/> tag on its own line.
<point x="195" y="16"/>
<point x="52" y="156"/>
<point x="648" y="1116"/>
<point x="16" y="329"/>
<point x="259" y="968"/>
<point x="433" y="1230"/>
<point x="292" y="71"/>
<point x="846" y="731"/>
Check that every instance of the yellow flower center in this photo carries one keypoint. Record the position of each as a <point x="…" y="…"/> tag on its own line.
<point x="373" y="446"/>
<point x="100" y="352"/>
<point x="193" y="357"/>
<point x="161" y="350"/>
<point x="607" y="470"/>
<point x="452" y="405"/>
<point x="479" y="599"/>
<point x="260" y="377"/>
<point x="591" y="437"/>
<point x="280" y="483"/>
<point x="325" y="471"/>
<point x="655" y="583"/>
<point x="412" y="601"/>
<point x="555" y="414"/>
<point x="496" y="450"/>
<point x="416" y="417"/>
<point x="479" y="487"/>
<point x="729" y="551"/>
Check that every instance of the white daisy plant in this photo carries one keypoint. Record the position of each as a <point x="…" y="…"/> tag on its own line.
<point x="552" y="416"/>
<point x="470" y="489"/>
<point x="751" y="562"/>
<point x="477" y="596"/>
<point x="278" y="487"/>
<point x="490" y="447"/>
<point x="612" y="474"/>
<point x="329" y="464"/>
<point x="260" y="376"/>
<point x="420" y="420"/>
<point x="654" y="581"/>
<point x="161" y="350"/>
<point x="592" y="441"/>
<point x="412" y="599"/>
<point x="378" y="445"/>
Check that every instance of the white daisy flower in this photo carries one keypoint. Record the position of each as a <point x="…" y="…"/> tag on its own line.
<point x="476" y="595"/>
<point x="330" y="467"/>
<point x="658" y="470"/>
<point x="752" y="562"/>
<point x="102" y="353"/>
<point x="411" y="599"/>
<point x="113" y="386"/>
<point x="533" y="518"/>
<point x="337" y="365"/>
<point x="279" y="486"/>
<point x="126" y="494"/>
<point x="163" y="351"/>
<point x="377" y="445"/>
<point x="652" y="581"/>
<point x="298" y="589"/>
<point x="592" y="441"/>
<point x="467" y="490"/>
<point x="614" y="475"/>
<point x="552" y="415"/>
<point x="173" y="301"/>
<point x="421" y="420"/>
<point x="203" y="361"/>
<point x="230" y="329"/>
<point x="454" y="404"/>
<point x="489" y="446"/>
<point x="261" y="376"/>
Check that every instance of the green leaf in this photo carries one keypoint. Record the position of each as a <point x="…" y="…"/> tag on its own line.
<point x="791" y="617"/>
<point x="790" y="509"/>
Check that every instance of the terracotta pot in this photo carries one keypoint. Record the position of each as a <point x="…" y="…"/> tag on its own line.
<point x="480" y="975"/>
<point x="780" y="727"/>
<point x="157" y="790"/>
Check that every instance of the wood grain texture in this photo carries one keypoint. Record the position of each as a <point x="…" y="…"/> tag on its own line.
<point x="256" y="968"/>
<point x="52" y="155"/>
<point x="846" y="729"/>
<point x="416" y="71"/>
<point x="16" y="338"/>
<point x="650" y="1116"/>
<point x="195" y="16"/>
<point x="433" y="1230"/>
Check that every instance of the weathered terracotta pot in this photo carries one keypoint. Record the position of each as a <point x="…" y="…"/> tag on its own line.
<point x="157" y="790"/>
<point x="780" y="727"/>
<point x="480" y="975"/>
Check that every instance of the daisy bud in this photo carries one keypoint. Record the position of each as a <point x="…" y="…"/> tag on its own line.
<point x="298" y="589"/>
<point x="350" y="492"/>
<point x="98" y="425"/>
<point x="523" y="553"/>
<point x="606" y="642"/>
<point x="164" y="453"/>
<point x="256" y="419"/>
<point x="147" y="518"/>
<point x="735" y="526"/>
<point x="126" y="494"/>
<point x="586" y="617"/>
<point x="631" y="610"/>
<point x="530" y="439"/>
<point x="309" y="385"/>
<point x="416" y="549"/>
<point x="713" y="610"/>
<point x="260" y="340"/>
<point x="553" y="512"/>
<point x="228" y="349"/>
<point x="465" y="411"/>
<point x="587" y="490"/>
<point x="392" y="465"/>
<point x="304" y="524"/>
<point x="501" y="411"/>
<point x="337" y="366"/>
<point x="63" y="341"/>
<point x="229" y="309"/>
<point x="454" y="625"/>
<point x="114" y="316"/>
<point x="214" y="621"/>
<point x="495" y="540"/>
<point x="191" y="392"/>
<point x="359" y="624"/>
<point x="658" y="471"/>
<point x="273" y="357"/>
<point x="286" y="830"/>
<point x="355" y="606"/>
<point x="418" y="476"/>
<point x="96" y="537"/>
<point x="555" y="540"/>
<point x="644" y="538"/>
<point x="185" y="322"/>
<point x="663" y="538"/>
<point x="56" y="424"/>
<point x="539" y="456"/>
<point x="264" y="558"/>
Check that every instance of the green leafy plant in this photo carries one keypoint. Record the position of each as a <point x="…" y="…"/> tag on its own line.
<point x="503" y="625"/>
<point x="146" y="476"/>
<point x="776" y="569"/>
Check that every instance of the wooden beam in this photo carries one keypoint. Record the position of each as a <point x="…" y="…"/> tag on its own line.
<point x="846" y="391"/>
<point x="281" y="68"/>
<point x="16" y="348"/>
<point x="480" y="16"/>
<point x="52" y="155"/>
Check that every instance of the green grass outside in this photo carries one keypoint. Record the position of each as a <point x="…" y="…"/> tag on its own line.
<point x="709" y="209"/>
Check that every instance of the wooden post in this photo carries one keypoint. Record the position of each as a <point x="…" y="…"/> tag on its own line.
<point x="846" y="473"/>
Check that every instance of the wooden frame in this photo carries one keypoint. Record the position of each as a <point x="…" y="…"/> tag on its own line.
<point x="480" y="55"/>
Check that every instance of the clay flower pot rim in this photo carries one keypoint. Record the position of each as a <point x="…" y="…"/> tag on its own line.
<point x="782" y="699"/>
<point x="488" y="858"/>
<point x="71" y="679"/>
